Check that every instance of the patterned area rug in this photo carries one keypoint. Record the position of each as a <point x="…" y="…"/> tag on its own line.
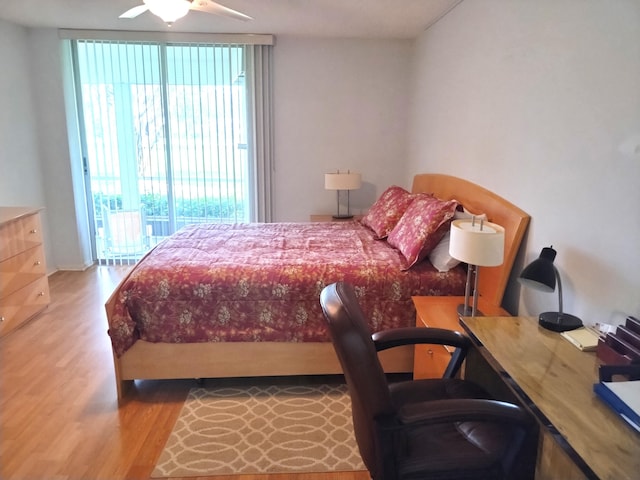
<point x="261" y="429"/>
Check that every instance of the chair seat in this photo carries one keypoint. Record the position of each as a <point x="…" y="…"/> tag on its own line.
<point x="445" y="452"/>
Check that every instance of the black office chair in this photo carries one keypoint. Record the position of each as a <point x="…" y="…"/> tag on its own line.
<point x="445" y="428"/>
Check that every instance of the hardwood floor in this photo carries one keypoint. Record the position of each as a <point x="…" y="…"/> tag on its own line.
<point x="59" y="416"/>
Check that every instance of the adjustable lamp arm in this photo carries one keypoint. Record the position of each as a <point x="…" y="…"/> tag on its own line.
<point x="559" y="282"/>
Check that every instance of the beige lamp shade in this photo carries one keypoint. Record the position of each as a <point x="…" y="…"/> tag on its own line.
<point x="342" y="181"/>
<point x="477" y="242"/>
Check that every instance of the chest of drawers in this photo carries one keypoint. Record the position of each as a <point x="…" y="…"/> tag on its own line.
<point x="24" y="287"/>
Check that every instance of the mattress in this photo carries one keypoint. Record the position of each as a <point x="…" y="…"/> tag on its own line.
<point x="260" y="282"/>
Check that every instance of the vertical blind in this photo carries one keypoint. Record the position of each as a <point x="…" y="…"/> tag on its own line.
<point x="173" y="133"/>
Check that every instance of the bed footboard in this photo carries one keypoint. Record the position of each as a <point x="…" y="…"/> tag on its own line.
<point x="147" y="360"/>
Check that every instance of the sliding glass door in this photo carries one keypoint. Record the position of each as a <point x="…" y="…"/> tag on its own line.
<point x="165" y="130"/>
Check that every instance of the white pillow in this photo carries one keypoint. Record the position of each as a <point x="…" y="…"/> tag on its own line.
<point x="439" y="256"/>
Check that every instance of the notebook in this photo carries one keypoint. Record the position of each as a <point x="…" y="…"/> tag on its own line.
<point x="584" y="338"/>
<point x="623" y="398"/>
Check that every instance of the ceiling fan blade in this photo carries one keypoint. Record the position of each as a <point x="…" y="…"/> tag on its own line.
<point x="217" y="9"/>
<point x="134" y="12"/>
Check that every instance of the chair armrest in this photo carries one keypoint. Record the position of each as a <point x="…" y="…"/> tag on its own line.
<point x="415" y="335"/>
<point x="437" y="336"/>
<point x="463" y="410"/>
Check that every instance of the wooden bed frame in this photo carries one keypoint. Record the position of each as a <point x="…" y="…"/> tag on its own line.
<point x="146" y="360"/>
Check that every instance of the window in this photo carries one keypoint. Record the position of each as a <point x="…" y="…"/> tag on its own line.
<point x="173" y="133"/>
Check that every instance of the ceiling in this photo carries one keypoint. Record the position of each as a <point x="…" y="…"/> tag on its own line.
<point x="323" y="18"/>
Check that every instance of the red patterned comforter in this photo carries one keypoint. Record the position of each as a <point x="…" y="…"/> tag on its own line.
<point x="262" y="282"/>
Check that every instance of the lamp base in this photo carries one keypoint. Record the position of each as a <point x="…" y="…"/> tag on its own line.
<point x="559" y="322"/>
<point x="466" y="310"/>
<point x="342" y="217"/>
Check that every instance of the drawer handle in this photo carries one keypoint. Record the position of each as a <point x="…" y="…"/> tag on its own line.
<point x="41" y="294"/>
<point x="36" y="263"/>
<point x="430" y="352"/>
<point x="33" y="231"/>
<point x="1" y="319"/>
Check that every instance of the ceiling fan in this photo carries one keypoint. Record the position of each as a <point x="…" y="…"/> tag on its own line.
<point x="171" y="10"/>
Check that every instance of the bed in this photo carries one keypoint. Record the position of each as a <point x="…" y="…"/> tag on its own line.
<point x="215" y="301"/>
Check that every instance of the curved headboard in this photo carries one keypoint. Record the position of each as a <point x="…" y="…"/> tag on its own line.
<point x="493" y="280"/>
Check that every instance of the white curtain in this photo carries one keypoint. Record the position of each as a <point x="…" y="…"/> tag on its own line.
<point x="261" y="129"/>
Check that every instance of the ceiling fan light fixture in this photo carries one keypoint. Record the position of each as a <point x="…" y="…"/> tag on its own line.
<point x="168" y="10"/>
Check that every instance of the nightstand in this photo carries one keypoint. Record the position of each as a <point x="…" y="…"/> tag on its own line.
<point x="430" y="361"/>
<point x="329" y="218"/>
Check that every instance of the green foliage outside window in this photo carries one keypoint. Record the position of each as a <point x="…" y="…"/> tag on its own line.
<point x="156" y="206"/>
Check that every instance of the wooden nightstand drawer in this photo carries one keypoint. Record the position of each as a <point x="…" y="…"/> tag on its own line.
<point x="430" y="361"/>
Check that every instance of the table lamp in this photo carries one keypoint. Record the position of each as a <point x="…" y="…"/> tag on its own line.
<point x="542" y="274"/>
<point x="342" y="181"/>
<point x="478" y="244"/>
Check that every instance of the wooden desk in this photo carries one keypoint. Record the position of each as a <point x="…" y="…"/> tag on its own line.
<point x="555" y="380"/>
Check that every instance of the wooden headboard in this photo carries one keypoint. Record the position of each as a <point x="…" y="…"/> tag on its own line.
<point x="493" y="280"/>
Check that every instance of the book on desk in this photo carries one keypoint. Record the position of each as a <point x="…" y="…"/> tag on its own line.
<point x="621" y="396"/>
<point x="583" y="338"/>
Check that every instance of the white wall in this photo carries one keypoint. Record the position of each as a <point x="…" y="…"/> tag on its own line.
<point x="21" y="180"/>
<point x="540" y="102"/>
<point x="339" y="104"/>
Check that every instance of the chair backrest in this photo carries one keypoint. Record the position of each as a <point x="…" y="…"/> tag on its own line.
<point x="368" y="388"/>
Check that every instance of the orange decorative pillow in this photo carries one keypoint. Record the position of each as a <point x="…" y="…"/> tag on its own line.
<point x="387" y="210"/>
<point x="422" y="226"/>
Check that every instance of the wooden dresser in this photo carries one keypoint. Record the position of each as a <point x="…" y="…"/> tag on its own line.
<point x="24" y="287"/>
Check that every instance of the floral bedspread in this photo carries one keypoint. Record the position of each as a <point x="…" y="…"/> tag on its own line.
<point x="262" y="282"/>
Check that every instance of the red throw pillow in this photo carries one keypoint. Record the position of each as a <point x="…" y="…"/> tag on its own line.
<point x="422" y="226"/>
<point x="385" y="213"/>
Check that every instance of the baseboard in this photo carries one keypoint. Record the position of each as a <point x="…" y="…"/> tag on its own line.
<point x="72" y="268"/>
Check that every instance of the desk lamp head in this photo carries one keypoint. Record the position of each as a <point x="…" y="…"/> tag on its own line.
<point x="541" y="274"/>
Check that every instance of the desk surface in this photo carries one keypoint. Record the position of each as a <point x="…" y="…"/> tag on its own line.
<point x="556" y="380"/>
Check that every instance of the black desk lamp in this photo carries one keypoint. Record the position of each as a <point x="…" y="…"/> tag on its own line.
<point x="542" y="275"/>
